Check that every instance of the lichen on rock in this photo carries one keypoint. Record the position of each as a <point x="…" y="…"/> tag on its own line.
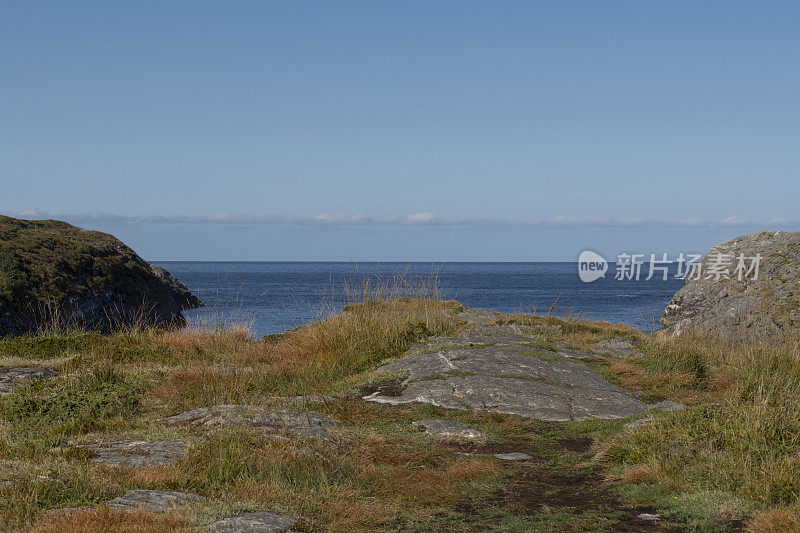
<point x="764" y="306"/>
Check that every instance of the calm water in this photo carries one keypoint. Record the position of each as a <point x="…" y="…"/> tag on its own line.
<point x="275" y="296"/>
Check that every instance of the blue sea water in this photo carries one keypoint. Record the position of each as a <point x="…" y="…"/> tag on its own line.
<point x="272" y="297"/>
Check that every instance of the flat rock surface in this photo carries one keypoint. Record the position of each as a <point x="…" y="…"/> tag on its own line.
<point x="513" y="456"/>
<point x="10" y="376"/>
<point x="447" y="430"/>
<point x="256" y="522"/>
<point x="152" y="500"/>
<point x="137" y="453"/>
<point x="306" y="423"/>
<point x="508" y="373"/>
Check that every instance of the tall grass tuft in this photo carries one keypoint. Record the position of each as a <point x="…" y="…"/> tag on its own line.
<point x="381" y="319"/>
<point x="747" y="442"/>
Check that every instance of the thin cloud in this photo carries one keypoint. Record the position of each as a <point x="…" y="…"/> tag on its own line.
<point x="735" y="221"/>
<point x="420" y="219"/>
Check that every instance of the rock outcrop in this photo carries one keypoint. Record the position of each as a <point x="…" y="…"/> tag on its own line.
<point x="496" y="369"/>
<point x="10" y="377"/>
<point x="746" y="305"/>
<point x="51" y="271"/>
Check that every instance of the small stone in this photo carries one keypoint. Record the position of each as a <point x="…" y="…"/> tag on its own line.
<point x="256" y="522"/>
<point x="10" y="376"/>
<point x="152" y="500"/>
<point x="448" y="430"/>
<point x="137" y="453"/>
<point x="513" y="456"/>
<point x="668" y="405"/>
<point x="640" y="423"/>
<point x="649" y="517"/>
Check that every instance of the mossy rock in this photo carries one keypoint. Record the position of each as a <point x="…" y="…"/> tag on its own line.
<point x="54" y="273"/>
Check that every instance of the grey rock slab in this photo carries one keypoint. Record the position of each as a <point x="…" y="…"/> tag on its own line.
<point x="448" y="430"/>
<point x="10" y="376"/>
<point x="256" y="522"/>
<point x="642" y="422"/>
<point x="137" y="453"/>
<point x="513" y="456"/>
<point x="152" y="500"/>
<point x="306" y="423"/>
<point x="507" y="380"/>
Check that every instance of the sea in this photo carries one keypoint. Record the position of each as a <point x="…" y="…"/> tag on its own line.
<point x="272" y="297"/>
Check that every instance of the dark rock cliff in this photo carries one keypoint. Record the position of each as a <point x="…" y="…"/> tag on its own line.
<point x="54" y="273"/>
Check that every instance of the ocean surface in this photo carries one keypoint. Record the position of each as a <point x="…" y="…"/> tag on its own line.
<point x="271" y="297"/>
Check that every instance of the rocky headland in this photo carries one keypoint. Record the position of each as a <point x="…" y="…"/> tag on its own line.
<point x="745" y="303"/>
<point x="54" y="273"/>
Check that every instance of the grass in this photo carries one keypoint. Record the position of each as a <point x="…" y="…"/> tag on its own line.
<point x="741" y="439"/>
<point x="114" y="385"/>
<point x="731" y="459"/>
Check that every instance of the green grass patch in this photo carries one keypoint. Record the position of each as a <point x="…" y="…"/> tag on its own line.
<point x="62" y="406"/>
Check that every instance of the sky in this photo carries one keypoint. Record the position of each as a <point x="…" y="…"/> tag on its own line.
<point x="429" y="131"/>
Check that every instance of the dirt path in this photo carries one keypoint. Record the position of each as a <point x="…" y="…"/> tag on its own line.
<point x="507" y="368"/>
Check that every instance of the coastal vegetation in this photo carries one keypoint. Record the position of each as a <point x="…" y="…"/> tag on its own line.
<point x="728" y="461"/>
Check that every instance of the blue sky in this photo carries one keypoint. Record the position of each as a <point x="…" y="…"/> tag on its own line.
<point x="372" y="130"/>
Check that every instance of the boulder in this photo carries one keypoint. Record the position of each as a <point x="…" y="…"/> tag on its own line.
<point x="766" y="305"/>
<point x="53" y="272"/>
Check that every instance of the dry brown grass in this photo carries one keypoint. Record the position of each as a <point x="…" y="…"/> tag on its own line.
<point x="643" y="473"/>
<point x="103" y="520"/>
<point x="399" y="469"/>
<point x="778" y="520"/>
<point x="314" y="358"/>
